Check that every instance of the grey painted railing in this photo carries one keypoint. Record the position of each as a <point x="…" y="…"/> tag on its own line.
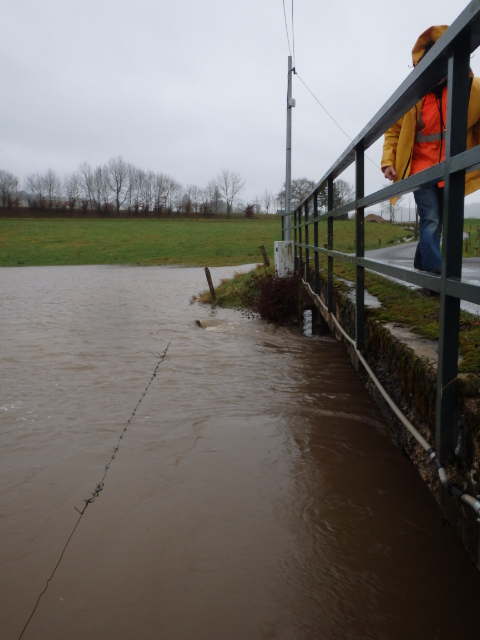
<point x="450" y="54"/>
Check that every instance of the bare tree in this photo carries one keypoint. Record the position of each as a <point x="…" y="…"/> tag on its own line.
<point x="267" y="200"/>
<point x="53" y="187"/>
<point x="71" y="189"/>
<point x="101" y="189"/>
<point x="8" y="188"/>
<point x="194" y="194"/>
<point x="35" y="190"/>
<point x="343" y="193"/>
<point x="390" y="210"/>
<point x="302" y="187"/>
<point x="44" y="190"/>
<point x="299" y="190"/>
<point x="239" y="206"/>
<point x="146" y="190"/>
<point x="132" y="189"/>
<point x="213" y="197"/>
<point x="177" y="196"/>
<point x="86" y="185"/>
<point x="171" y="192"/>
<point x="116" y="175"/>
<point x="230" y="185"/>
<point x="161" y="186"/>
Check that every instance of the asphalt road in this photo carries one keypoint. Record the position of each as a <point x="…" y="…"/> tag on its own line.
<point x="402" y="255"/>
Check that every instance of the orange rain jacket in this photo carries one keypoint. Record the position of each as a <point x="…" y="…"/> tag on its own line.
<point x="400" y="138"/>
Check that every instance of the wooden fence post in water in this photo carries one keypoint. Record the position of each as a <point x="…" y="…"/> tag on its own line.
<point x="266" y="261"/>
<point x="210" y="283"/>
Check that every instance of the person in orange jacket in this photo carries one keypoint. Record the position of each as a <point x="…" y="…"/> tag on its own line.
<point x="417" y="142"/>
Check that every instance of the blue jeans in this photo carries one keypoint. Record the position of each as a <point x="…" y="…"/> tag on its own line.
<point x="429" y="201"/>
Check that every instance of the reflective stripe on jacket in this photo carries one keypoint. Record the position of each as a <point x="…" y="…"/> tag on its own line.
<point x="399" y="142"/>
<point x="400" y="139"/>
<point x="429" y="145"/>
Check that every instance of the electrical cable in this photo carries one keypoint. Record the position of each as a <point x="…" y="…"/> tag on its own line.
<point x="330" y="116"/>
<point x="307" y="87"/>
<point x="286" y="27"/>
<point x="293" y="37"/>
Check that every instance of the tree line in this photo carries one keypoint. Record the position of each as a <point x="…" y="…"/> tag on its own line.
<point x="343" y="192"/>
<point x="119" y="185"/>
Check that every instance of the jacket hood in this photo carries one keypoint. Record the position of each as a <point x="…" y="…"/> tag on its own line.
<point x="430" y="35"/>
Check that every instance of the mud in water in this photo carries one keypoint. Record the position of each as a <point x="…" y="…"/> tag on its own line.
<point x="256" y="494"/>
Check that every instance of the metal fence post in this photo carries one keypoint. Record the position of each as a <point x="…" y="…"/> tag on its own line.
<point x="300" y="239"/>
<point x="307" y="251"/>
<point x="454" y="47"/>
<point x="295" y="260"/>
<point x="330" y="297"/>
<point x="359" y="248"/>
<point x="453" y="210"/>
<point x="316" y="282"/>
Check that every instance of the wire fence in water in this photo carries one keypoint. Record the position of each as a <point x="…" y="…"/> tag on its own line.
<point x="99" y="486"/>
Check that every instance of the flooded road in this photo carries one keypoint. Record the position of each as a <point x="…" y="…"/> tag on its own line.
<point x="256" y="493"/>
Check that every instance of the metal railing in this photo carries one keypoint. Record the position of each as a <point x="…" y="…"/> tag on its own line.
<point x="449" y="56"/>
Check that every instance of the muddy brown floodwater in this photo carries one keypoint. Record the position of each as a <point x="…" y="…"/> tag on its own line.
<point x="257" y="492"/>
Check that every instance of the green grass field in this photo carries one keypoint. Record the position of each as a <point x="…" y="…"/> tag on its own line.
<point x="145" y="242"/>
<point x="38" y="242"/>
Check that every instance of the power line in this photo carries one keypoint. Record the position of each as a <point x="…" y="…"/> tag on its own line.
<point x="330" y="116"/>
<point x="293" y="37"/>
<point x="286" y="27"/>
<point x="304" y="83"/>
<point x="327" y="112"/>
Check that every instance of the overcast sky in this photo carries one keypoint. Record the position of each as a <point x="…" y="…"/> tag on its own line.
<point x="187" y="87"/>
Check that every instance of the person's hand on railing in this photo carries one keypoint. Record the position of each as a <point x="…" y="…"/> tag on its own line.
<point x="389" y="173"/>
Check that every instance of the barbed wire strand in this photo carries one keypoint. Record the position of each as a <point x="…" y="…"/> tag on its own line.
<point x="99" y="487"/>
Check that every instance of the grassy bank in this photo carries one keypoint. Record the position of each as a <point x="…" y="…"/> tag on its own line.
<point x="399" y="305"/>
<point x="146" y="242"/>
<point x="192" y="242"/>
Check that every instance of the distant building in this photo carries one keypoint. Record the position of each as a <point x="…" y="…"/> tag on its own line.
<point x="372" y="217"/>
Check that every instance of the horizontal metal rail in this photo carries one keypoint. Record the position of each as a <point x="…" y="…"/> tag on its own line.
<point x="449" y="57"/>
